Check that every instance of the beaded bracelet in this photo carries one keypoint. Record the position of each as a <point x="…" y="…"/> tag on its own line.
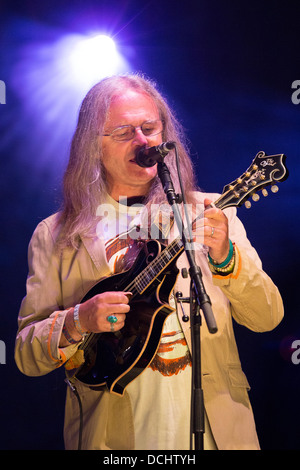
<point x="229" y="268"/>
<point x="68" y="336"/>
<point x="226" y="261"/>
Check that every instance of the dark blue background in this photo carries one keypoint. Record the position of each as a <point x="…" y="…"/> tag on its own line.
<point x="227" y="70"/>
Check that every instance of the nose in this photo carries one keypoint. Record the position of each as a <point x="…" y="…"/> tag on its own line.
<point x="139" y="137"/>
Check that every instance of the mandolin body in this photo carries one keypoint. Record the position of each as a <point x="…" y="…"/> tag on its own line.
<point x="113" y="360"/>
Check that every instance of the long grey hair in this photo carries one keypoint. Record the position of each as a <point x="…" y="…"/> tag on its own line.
<point x="84" y="184"/>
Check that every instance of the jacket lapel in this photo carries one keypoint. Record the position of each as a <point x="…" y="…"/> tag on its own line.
<point x="96" y="250"/>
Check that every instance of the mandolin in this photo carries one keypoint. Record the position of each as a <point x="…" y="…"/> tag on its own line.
<point x="113" y="360"/>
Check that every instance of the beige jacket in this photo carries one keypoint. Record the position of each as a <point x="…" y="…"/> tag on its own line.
<point x="56" y="283"/>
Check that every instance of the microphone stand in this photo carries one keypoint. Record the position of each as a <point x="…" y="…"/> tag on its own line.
<point x="199" y="300"/>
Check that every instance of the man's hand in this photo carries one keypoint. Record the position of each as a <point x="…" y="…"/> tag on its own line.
<point x="216" y="232"/>
<point x="212" y="231"/>
<point x="94" y="312"/>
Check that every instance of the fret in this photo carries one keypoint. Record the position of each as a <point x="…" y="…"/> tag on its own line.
<point x="144" y="279"/>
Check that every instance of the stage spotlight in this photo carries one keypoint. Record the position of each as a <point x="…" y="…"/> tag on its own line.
<point x="51" y="78"/>
<point x="94" y="58"/>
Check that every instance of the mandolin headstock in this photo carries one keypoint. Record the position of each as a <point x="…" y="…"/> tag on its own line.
<point x="264" y="171"/>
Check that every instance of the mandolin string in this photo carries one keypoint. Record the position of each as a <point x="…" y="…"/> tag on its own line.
<point x="156" y="266"/>
<point x="138" y="281"/>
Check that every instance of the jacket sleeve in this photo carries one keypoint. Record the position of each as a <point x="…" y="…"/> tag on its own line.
<point x="255" y="300"/>
<point x="41" y="316"/>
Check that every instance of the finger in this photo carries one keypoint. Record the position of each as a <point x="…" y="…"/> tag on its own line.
<point x="114" y="297"/>
<point x="207" y="202"/>
<point x="95" y="310"/>
<point x="211" y="231"/>
<point x="114" y="322"/>
<point x="214" y="214"/>
<point x="206" y="228"/>
<point x="211" y="211"/>
<point x="115" y="308"/>
<point x="120" y="318"/>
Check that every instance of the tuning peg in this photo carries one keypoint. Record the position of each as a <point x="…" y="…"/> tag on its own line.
<point x="265" y="192"/>
<point x="247" y="204"/>
<point x="274" y="188"/>
<point x="255" y="197"/>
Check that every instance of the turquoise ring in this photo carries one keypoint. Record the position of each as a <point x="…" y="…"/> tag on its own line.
<point x="112" y="319"/>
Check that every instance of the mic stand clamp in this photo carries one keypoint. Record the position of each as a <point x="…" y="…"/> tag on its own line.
<point x="198" y="300"/>
<point x="181" y="299"/>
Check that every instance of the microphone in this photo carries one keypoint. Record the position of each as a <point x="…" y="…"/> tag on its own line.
<point x="147" y="157"/>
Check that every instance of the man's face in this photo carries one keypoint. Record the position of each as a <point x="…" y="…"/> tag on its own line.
<point x="124" y="176"/>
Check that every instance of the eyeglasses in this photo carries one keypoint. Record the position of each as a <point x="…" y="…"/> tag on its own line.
<point x="148" y="128"/>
